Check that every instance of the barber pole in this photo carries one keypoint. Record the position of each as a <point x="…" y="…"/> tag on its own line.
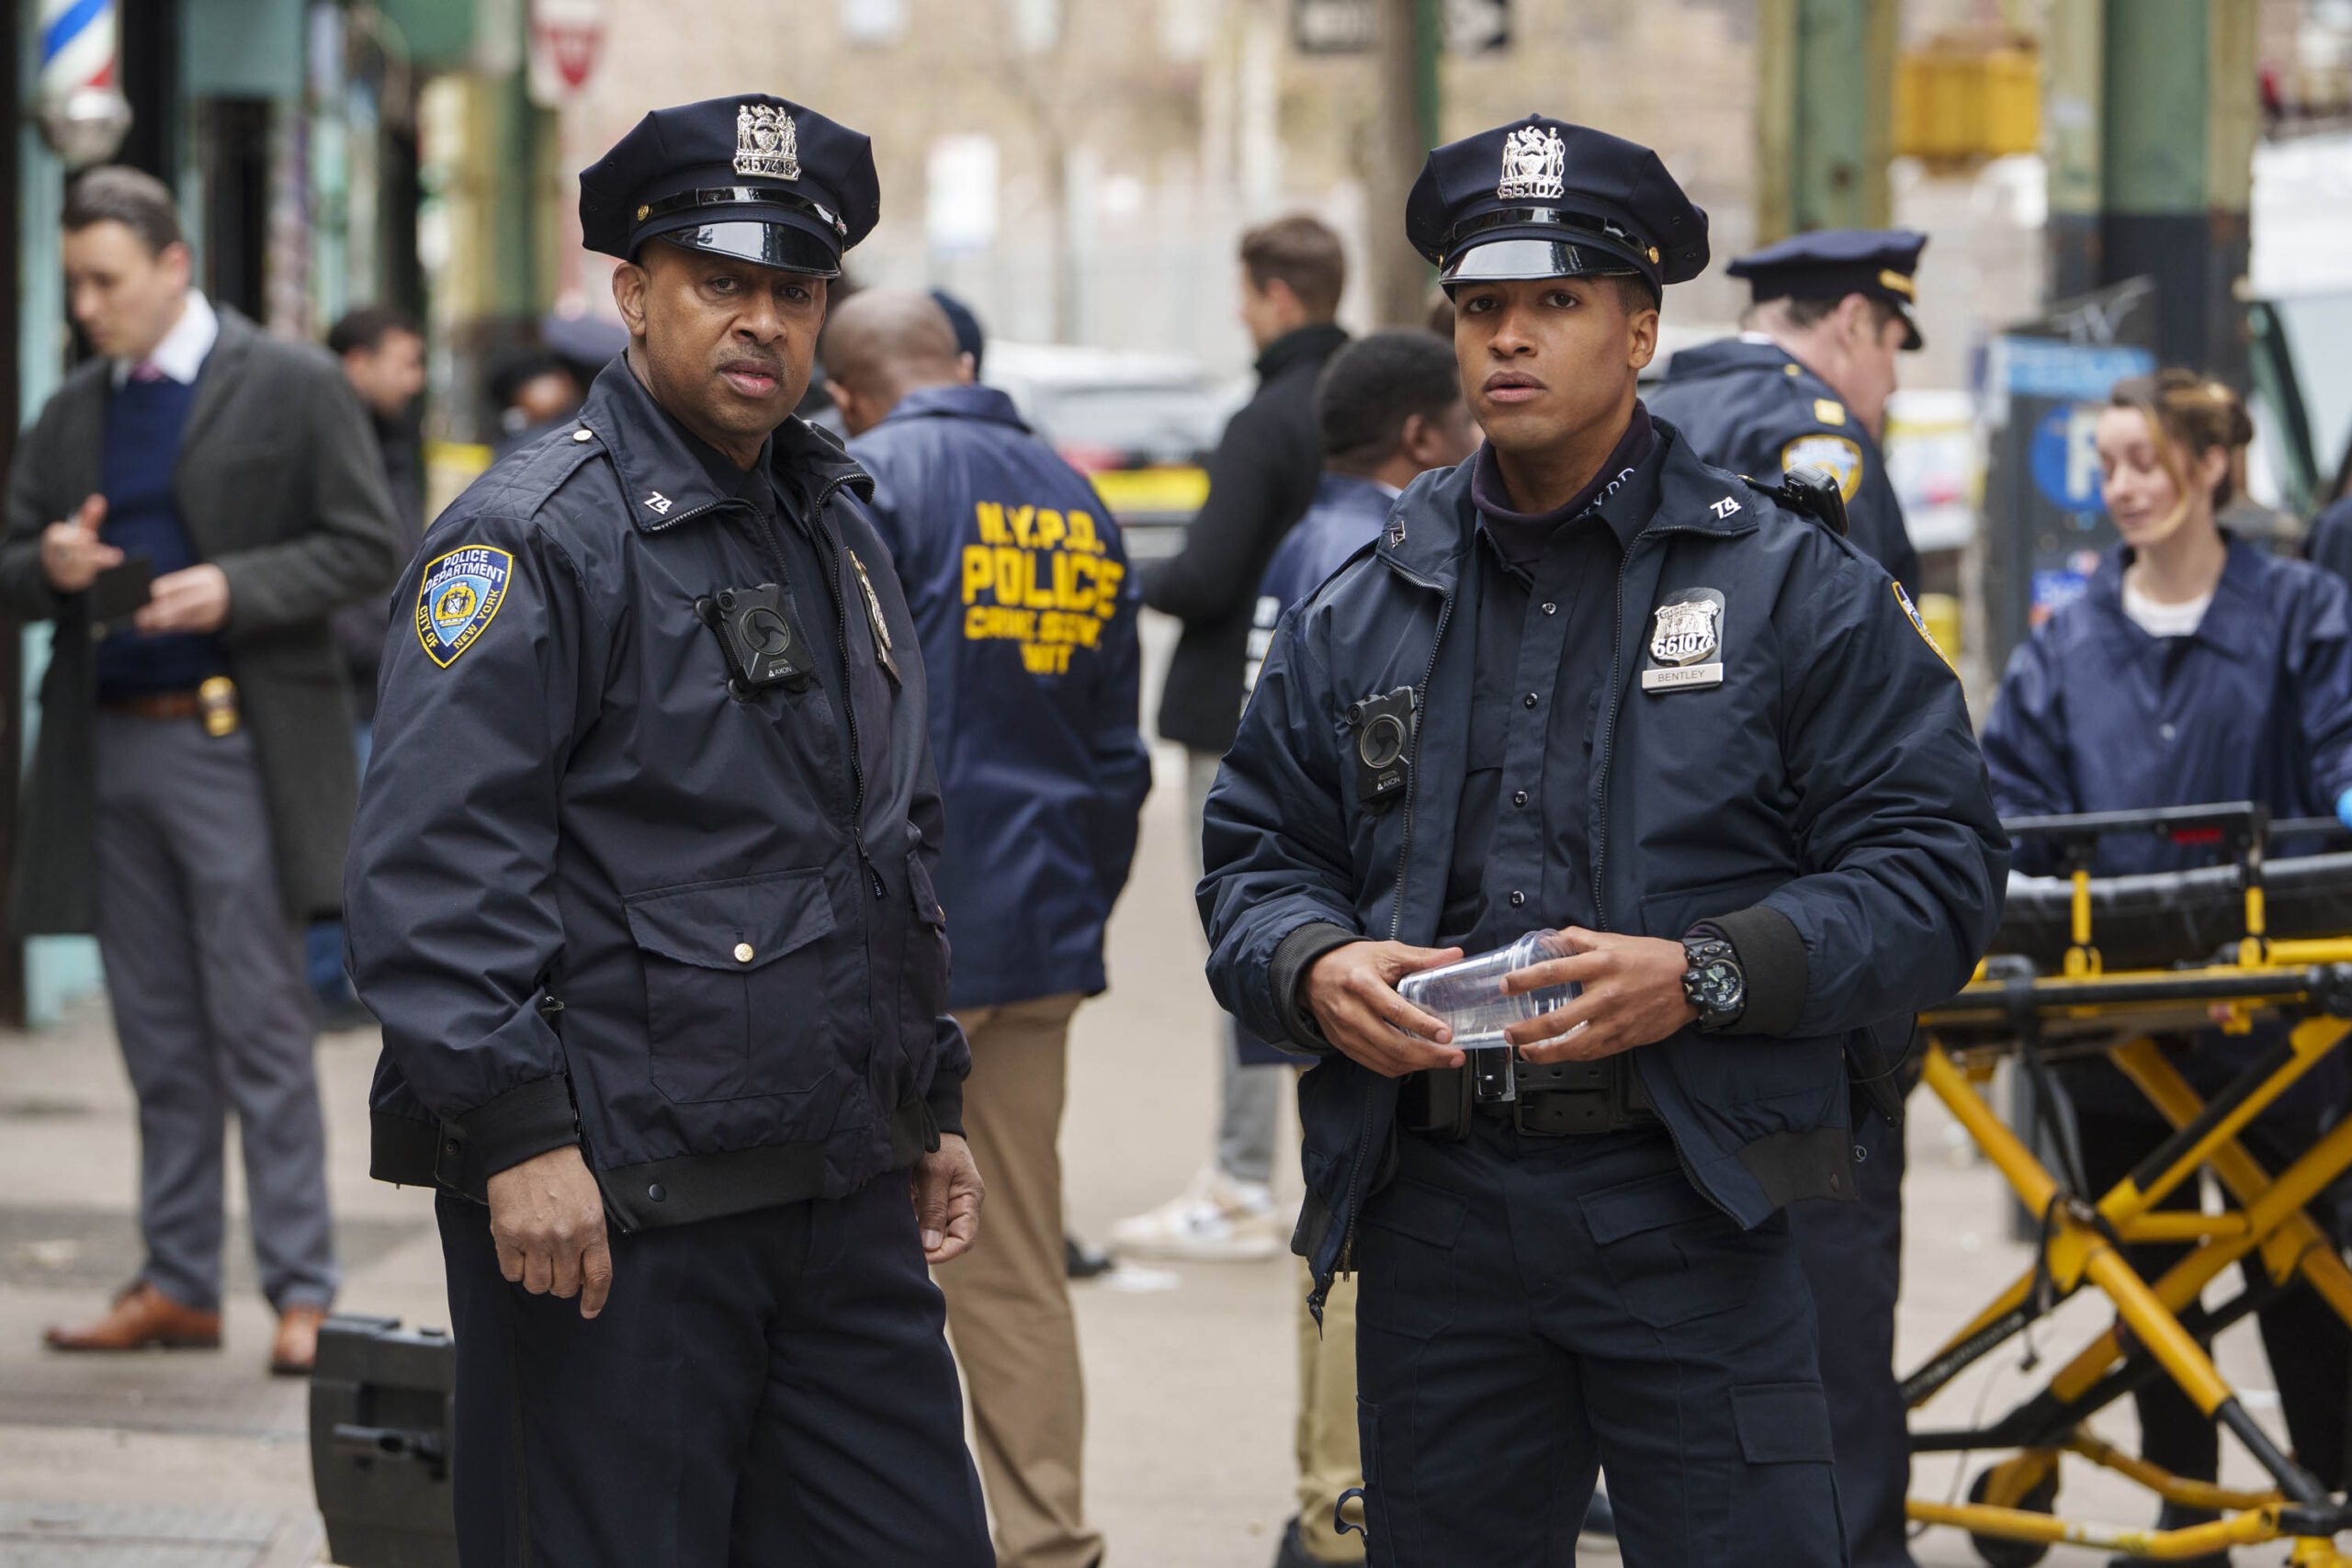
<point x="83" y="113"/>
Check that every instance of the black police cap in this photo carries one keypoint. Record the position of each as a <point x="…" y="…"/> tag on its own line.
<point x="1544" y="199"/>
<point x="1829" y="264"/>
<point x="750" y="176"/>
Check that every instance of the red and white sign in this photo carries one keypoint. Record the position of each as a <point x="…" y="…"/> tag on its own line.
<point x="567" y="40"/>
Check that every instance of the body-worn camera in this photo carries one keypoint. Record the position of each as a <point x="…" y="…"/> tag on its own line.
<point x="1381" y="734"/>
<point x="754" y="629"/>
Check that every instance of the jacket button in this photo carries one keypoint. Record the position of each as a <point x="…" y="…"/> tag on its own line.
<point x="1550" y="608"/>
<point x="1517" y="899"/>
<point x="657" y="1192"/>
<point x="742" y="953"/>
<point x="2167" y="732"/>
<point x="1518" y="797"/>
<point x="583" y="436"/>
<point x="1531" y="699"/>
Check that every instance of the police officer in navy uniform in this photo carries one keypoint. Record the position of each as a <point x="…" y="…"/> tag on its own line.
<point x="1586" y="682"/>
<point x="641" y="889"/>
<point x="1807" y="382"/>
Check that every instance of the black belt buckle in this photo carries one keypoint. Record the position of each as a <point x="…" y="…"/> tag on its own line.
<point x="1494" y="1074"/>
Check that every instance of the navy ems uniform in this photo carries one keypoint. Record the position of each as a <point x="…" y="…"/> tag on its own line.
<point x="612" y="886"/>
<point x="1749" y="405"/>
<point x="1671" y="706"/>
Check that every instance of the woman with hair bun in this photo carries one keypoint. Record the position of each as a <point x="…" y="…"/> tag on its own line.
<point x="2195" y="668"/>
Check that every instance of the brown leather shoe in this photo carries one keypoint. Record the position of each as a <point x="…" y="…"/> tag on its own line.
<point x="143" y="1316"/>
<point x="295" y="1351"/>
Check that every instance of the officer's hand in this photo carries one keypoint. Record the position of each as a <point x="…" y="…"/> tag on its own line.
<point x="193" y="600"/>
<point x="71" y="554"/>
<point x="1632" y="996"/>
<point x="546" y="1217"/>
<point x="1351" y="991"/>
<point x="948" y="1198"/>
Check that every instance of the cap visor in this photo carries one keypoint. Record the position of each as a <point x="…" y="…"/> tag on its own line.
<point x="780" y="243"/>
<point x="1513" y="259"/>
<point x="1916" y="338"/>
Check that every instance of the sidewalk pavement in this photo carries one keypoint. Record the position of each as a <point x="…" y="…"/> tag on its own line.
<point x="198" y="1459"/>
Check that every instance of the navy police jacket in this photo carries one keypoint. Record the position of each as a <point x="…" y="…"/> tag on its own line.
<point x="593" y="895"/>
<point x="1830" y="778"/>
<point x="1020" y="595"/>
<point x="1345" y="517"/>
<point x="2096" y="715"/>
<point x="1750" y="407"/>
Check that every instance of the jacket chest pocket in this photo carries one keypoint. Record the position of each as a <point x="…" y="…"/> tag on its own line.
<point x="735" y="978"/>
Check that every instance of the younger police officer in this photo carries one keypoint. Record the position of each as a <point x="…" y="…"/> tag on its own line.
<point x="1807" y="383"/>
<point x="1640" y="701"/>
<point x="641" y="890"/>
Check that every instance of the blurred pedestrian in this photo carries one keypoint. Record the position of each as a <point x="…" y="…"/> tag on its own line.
<point x="1808" y="384"/>
<point x="2196" y="668"/>
<point x="190" y="509"/>
<point x="1389" y="407"/>
<point x="1263" y="476"/>
<point x="1808" y="379"/>
<point x="2329" y="541"/>
<point x="1026" y="615"/>
<point x="1587" y="685"/>
<point x="534" y="389"/>
<point x="641" y="888"/>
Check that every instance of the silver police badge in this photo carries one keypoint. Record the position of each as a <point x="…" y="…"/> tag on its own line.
<point x="1535" y="163"/>
<point x="1686" y="643"/>
<point x="765" y="144"/>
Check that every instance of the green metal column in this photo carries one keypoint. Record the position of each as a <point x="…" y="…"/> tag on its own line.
<point x="2152" y="118"/>
<point x="1824" y="114"/>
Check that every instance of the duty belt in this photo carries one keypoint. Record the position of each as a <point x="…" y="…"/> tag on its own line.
<point x="1555" y="1100"/>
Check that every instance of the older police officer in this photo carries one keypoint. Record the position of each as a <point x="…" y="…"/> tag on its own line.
<point x="1639" y="701"/>
<point x="641" y="890"/>
<point x="1807" y="383"/>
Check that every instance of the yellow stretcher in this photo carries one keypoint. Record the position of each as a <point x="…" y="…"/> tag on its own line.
<point x="2013" y="1011"/>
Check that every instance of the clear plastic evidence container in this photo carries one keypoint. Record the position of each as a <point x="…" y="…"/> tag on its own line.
<point x="1469" y="997"/>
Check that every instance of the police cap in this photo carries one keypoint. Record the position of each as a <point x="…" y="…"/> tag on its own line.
<point x="750" y="176"/>
<point x="1829" y="264"/>
<point x="1544" y="199"/>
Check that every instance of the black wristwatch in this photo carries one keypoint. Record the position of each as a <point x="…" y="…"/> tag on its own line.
<point x="1713" y="981"/>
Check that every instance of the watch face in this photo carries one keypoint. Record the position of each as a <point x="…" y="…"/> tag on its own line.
<point x="1720" y="986"/>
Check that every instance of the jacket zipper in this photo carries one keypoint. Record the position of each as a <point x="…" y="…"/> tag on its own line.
<point x="840" y="641"/>
<point x="1396" y="924"/>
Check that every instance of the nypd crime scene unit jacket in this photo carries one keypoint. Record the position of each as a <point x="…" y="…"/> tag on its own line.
<point x="1818" y="789"/>
<point x="597" y="897"/>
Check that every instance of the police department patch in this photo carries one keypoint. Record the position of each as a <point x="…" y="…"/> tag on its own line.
<point x="461" y="593"/>
<point x="1919" y="624"/>
<point x="1837" y="454"/>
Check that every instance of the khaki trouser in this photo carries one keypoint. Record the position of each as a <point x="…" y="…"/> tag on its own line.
<point x="1328" y="1456"/>
<point x="1008" y="1298"/>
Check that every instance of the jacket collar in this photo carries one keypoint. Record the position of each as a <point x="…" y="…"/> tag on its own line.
<point x="1726" y="355"/>
<point x="1672" y="493"/>
<point x="1311" y="344"/>
<point x="2233" y="623"/>
<point x="974" y="401"/>
<point x="666" y="482"/>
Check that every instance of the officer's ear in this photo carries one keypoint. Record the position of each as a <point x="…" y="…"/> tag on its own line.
<point x="628" y="297"/>
<point x="969" y="366"/>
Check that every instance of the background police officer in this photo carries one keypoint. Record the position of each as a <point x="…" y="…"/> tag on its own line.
<point x="1807" y="381"/>
<point x="1709" y="740"/>
<point x="1020" y="592"/>
<point x="1808" y="384"/>
<point x="641" y="890"/>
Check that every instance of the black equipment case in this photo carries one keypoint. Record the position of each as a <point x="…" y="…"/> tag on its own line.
<point x="383" y="1403"/>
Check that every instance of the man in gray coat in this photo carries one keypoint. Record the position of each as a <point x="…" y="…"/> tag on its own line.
<point x="188" y="509"/>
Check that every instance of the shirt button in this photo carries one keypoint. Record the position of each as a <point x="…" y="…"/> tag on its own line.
<point x="1531" y="699"/>
<point x="583" y="436"/>
<point x="742" y="953"/>
<point x="1517" y="899"/>
<point x="1518" y="797"/>
<point x="2167" y="732"/>
<point x="1550" y="608"/>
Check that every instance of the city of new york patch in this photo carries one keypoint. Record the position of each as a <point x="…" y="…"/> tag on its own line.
<point x="459" y="598"/>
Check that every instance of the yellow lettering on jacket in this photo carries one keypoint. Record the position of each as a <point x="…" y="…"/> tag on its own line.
<point x="1041" y="577"/>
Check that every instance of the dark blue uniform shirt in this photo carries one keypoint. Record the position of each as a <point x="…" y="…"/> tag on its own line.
<point x="1750" y="407"/>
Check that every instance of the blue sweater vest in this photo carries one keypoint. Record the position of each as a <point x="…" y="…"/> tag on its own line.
<point x="144" y="419"/>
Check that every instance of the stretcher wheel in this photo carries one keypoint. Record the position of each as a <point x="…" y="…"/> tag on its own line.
<point x="1999" y="1552"/>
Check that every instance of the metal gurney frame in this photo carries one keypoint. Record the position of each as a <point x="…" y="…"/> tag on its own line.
<point x="2161" y="1329"/>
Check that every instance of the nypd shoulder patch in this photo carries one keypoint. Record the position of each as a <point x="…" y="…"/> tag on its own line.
<point x="1839" y="455"/>
<point x="459" y="598"/>
<point x="1919" y="624"/>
